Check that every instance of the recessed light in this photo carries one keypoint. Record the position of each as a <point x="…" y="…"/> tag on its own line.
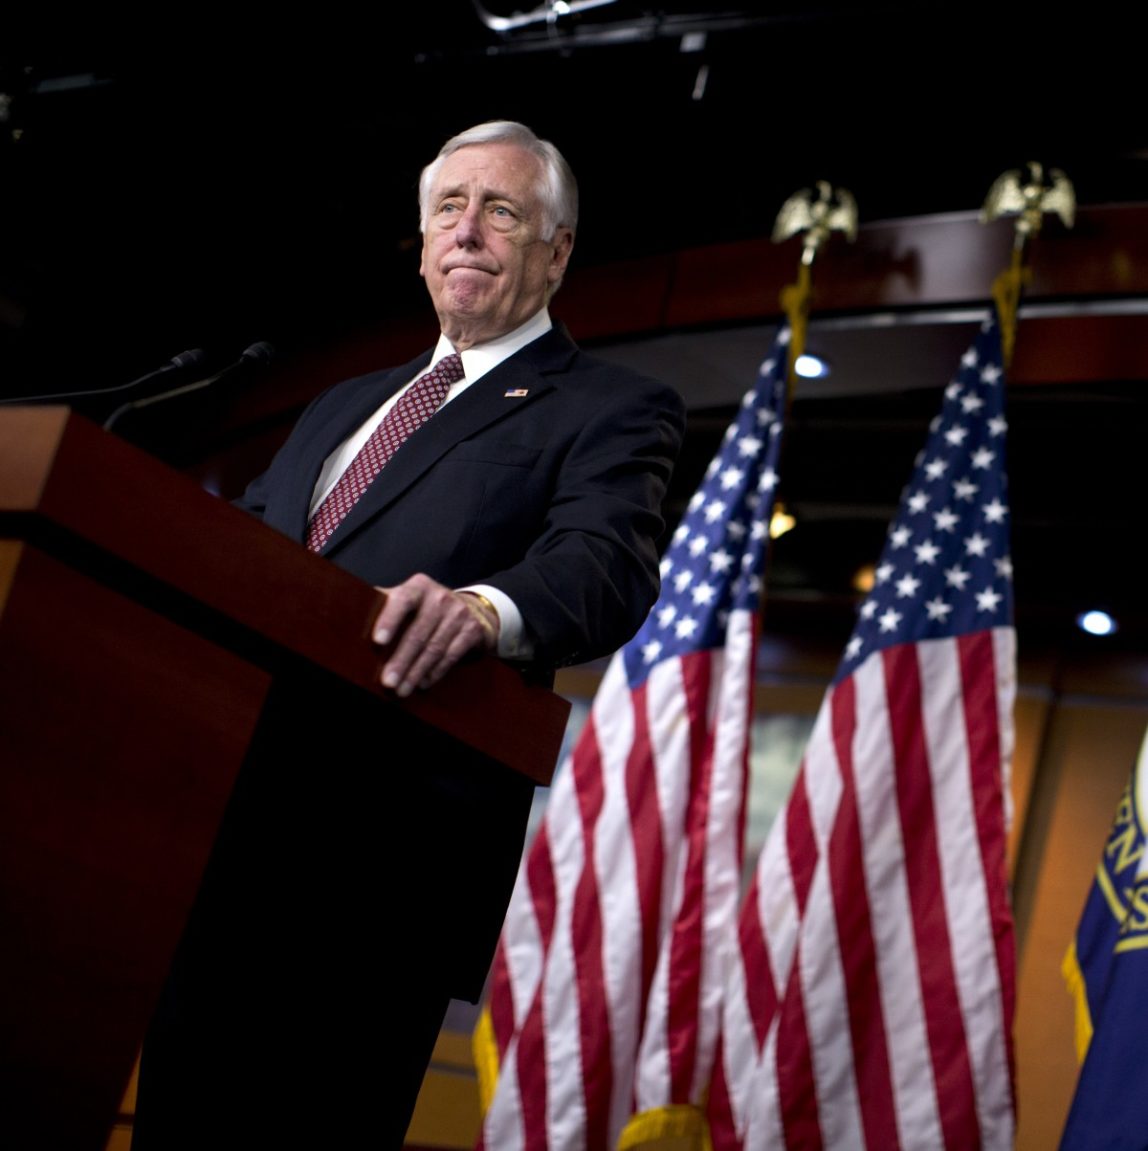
<point x="811" y="367"/>
<point x="781" y="521"/>
<point x="1096" y="622"/>
<point x="864" y="578"/>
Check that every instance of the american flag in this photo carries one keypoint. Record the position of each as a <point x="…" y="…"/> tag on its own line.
<point x="605" y="997"/>
<point x="872" y="1006"/>
<point x="1107" y="968"/>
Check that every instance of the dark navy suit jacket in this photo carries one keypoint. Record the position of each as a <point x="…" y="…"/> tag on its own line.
<point x="545" y="479"/>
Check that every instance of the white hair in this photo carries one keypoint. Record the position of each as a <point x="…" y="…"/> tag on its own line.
<point x="557" y="191"/>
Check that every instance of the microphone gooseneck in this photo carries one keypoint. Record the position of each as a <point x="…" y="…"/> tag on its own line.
<point x="259" y="354"/>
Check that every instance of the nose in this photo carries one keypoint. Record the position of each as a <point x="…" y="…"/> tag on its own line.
<point x="468" y="231"/>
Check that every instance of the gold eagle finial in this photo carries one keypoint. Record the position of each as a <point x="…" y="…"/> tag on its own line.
<point x="1027" y="194"/>
<point x="831" y="210"/>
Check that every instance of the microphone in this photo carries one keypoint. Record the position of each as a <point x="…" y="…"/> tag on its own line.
<point x="192" y="358"/>
<point x="260" y="353"/>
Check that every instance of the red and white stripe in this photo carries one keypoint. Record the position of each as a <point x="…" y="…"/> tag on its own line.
<point x="873" y="1004"/>
<point x="607" y="989"/>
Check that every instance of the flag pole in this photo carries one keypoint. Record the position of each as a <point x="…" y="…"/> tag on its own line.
<point x="833" y="210"/>
<point x="817" y="216"/>
<point x="1027" y="195"/>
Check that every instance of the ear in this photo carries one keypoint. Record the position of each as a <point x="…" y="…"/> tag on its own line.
<point x="560" y="248"/>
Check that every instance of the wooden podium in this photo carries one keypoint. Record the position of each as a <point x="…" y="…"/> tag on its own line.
<point x="144" y="624"/>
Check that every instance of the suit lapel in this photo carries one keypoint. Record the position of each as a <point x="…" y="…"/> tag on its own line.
<point x="359" y="399"/>
<point x="504" y="391"/>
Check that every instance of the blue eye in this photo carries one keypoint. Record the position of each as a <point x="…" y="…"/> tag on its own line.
<point x="503" y="217"/>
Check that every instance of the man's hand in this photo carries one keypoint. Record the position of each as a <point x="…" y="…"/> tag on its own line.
<point x="435" y="626"/>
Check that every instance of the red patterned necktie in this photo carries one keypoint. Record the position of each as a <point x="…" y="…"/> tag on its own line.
<point x="415" y="406"/>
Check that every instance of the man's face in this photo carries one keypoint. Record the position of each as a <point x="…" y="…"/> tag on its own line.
<point x="485" y="263"/>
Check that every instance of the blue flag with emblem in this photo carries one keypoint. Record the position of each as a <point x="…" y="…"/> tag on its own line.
<point x="1107" y="970"/>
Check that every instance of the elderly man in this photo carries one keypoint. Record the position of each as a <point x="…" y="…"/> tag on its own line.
<point x="505" y="490"/>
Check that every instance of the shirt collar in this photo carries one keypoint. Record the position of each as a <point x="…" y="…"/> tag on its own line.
<point x="480" y="359"/>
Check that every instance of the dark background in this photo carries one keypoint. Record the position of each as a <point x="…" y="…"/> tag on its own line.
<point x="169" y="183"/>
<point x="173" y="180"/>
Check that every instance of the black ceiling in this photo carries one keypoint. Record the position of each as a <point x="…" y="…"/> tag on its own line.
<point x="170" y="183"/>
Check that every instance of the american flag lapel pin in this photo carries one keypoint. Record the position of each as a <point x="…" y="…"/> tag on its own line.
<point x="515" y="393"/>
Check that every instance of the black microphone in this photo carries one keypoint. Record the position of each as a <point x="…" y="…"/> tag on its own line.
<point x="192" y="358"/>
<point x="260" y="353"/>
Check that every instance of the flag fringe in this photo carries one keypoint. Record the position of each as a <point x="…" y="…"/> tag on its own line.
<point x="485" y="1051"/>
<point x="676" y="1127"/>
<point x="1074" y="979"/>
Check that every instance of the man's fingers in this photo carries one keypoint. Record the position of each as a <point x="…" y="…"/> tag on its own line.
<point x="441" y="627"/>
<point x="402" y="601"/>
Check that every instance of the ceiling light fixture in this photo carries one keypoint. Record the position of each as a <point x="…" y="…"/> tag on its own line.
<point x="547" y="13"/>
